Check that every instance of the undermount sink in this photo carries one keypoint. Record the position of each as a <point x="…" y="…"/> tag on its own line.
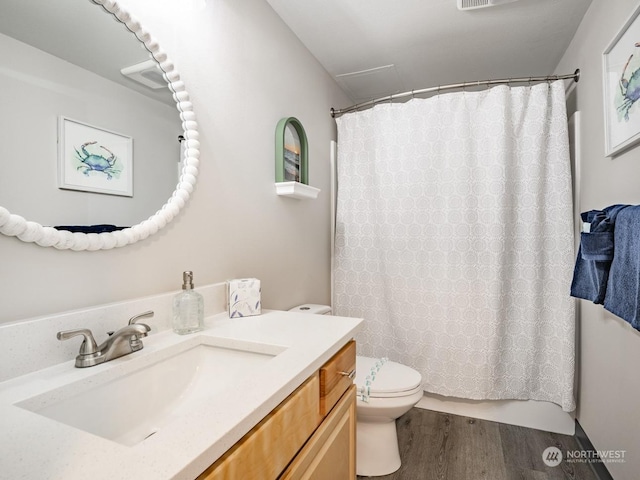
<point x="138" y="403"/>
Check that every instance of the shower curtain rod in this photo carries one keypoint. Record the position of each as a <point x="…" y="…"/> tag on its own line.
<point x="506" y="81"/>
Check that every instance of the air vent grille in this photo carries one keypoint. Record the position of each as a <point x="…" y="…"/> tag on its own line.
<point x="473" y="4"/>
<point x="147" y="73"/>
<point x="467" y="4"/>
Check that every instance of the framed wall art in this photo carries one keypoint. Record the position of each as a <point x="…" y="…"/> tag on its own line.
<point x="621" y="85"/>
<point x="292" y="157"/>
<point x="93" y="159"/>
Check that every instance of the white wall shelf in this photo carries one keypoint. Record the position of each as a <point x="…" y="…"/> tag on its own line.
<point x="297" y="190"/>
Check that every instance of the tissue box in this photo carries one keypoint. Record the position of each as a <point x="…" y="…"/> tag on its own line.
<point x="244" y="297"/>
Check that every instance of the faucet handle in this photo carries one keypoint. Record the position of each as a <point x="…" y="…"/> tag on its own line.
<point x="88" y="346"/>
<point x="135" y="342"/>
<point x="135" y="318"/>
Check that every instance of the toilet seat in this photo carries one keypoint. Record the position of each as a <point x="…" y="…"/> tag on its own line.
<point x="391" y="379"/>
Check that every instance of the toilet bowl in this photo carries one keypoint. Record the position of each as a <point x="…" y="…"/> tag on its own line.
<point x="386" y="391"/>
<point x="392" y="390"/>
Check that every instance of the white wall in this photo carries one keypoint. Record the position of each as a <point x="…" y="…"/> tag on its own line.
<point x="244" y="70"/>
<point x="609" y="388"/>
<point x="38" y="87"/>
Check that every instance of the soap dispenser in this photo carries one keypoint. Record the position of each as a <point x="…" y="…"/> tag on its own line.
<point x="188" y="308"/>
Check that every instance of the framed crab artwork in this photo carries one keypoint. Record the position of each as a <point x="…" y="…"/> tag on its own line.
<point x="621" y="82"/>
<point x="93" y="159"/>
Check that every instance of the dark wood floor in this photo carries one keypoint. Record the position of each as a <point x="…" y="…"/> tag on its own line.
<point x="440" y="446"/>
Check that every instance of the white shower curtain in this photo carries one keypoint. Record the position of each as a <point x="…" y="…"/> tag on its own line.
<point x="454" y="240"/>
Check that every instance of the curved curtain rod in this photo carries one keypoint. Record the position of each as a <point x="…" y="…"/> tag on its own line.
<point x="389" y="98"/>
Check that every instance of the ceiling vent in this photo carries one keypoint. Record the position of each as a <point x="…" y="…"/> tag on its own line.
<point x="368" y="84"/>
<point x="147" y="73"/>
<point x="473" y="4"/>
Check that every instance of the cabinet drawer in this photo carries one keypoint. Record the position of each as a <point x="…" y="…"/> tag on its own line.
<point x="266" y="450"/>
<point x="335" y="376"/>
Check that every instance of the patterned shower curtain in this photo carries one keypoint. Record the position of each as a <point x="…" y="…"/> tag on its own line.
<point x="454" y="240"/>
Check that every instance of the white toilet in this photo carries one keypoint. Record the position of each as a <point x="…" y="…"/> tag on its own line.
<point x="392" y="390"/>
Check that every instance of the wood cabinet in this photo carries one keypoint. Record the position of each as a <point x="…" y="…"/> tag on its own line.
<point x="329" y="452"/>
<point x="336" y="376"/>
<point x="310" y="435"/>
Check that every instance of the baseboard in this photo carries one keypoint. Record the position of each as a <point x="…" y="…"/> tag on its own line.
<point x="598" y="468"/>
<point x="524" y="413"/>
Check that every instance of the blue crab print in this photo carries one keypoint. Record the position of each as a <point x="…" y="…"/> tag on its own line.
<point x="629" y="89"/>
<point x="94" y="161"/>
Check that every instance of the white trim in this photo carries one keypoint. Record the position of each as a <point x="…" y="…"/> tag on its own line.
<point x="576" y="167"/>
<point x="545" y="416"/>
<point x="333" y="162"/>
<point x="297" y="190"/>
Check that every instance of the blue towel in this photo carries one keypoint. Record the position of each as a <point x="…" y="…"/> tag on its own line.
<point x="623" y="288"/>
<point x="596" y="246"/>
<point x="590" y="279"/>
<point x="89" y="228"/>
<point x="596" y="252"/>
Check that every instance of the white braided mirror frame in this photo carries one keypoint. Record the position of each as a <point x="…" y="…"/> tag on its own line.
<point x="27" y="231"/>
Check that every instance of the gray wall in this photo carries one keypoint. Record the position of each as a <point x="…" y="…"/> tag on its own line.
<point x="609" y="388"/>
<point x="37" y="88"/>
<point x="244" y="70"/>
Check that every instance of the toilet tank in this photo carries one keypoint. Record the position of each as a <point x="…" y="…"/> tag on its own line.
<point x="312" y="308"/>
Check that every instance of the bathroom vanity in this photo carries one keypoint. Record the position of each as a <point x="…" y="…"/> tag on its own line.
<point x="318" y="420"/>
<point x="259" y="397"/>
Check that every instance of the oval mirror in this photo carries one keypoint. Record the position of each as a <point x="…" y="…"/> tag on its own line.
<point x="93" y="145"/>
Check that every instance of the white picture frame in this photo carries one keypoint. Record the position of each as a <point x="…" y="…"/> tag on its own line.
<point x="94" y="159"/>
<point x="621" y="88"/>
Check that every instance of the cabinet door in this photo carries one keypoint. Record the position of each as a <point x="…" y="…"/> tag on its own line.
<point x="330" y="452"/>
<point x="267" y="449"/>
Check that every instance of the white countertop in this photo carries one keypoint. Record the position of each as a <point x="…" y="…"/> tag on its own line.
<point x="36" y="448"/>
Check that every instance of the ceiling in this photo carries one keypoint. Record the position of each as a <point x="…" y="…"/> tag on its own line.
<point x="375" y="48"/>
<point x="81" y="33"/>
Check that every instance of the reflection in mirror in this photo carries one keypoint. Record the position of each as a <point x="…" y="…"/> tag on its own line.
<point x="69" y="58"/>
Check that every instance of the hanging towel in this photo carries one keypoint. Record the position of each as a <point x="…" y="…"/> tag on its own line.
<point x="623" y="288"/>
<point x="596" y="252"/>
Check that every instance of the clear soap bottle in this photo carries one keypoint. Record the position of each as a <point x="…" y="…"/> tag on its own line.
<point x="188" y="308"/>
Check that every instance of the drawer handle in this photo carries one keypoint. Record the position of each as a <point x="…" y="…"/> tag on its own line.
<point x="351" y="374"/>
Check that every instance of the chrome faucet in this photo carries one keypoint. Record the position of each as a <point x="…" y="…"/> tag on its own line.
<point x="122" y="342"/>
